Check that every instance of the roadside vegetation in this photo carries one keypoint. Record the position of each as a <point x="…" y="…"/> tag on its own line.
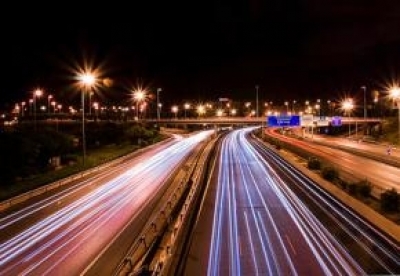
<point x="390" y="131"/>
<point x="32" y="158"/>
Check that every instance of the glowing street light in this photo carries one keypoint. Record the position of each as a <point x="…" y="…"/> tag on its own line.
<point x="87" y="80"/>
<point x="49" y="97"/>
<point x="36" y="94"/>
<point x="96" y="109"/>
<point x="53" y="104"/>
<point x="158" y="103"/>
<point x="395" y="95"/>
<point x="201" y="110"/>
<point x="174" y="110"/>
<point x="347" y="106"/>
<point x="138" y="96"/>
<point x="186" y="106"/>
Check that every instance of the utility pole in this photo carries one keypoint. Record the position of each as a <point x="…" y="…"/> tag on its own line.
<point x="365" y="108"/>
<point x="158" y="103"/>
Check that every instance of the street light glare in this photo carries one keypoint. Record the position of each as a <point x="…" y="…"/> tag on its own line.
<point x="347" y="104"/>
<point x="395" y="92"/>
<point x="139" y="95"/>
<point x="87" y="79"/>
<point x="38" y="93"/>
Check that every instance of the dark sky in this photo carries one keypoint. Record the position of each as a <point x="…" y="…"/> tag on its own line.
<point x="203" y="49"/>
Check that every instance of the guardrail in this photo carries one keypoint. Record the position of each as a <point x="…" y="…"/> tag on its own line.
<point x="172" y="249"/>
<point x="153" y="249"/>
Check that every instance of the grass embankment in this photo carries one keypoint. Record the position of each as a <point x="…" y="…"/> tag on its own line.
<point x="94" y="157"/>
<point x="390" y="131"/>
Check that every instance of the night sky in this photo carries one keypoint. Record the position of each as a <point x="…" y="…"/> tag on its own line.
<point x="203" y="49"/>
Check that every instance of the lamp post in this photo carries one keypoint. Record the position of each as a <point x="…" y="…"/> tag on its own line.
<point x="186" y="107"/>
<point x="96" y="109"/>
<point x="158" y="103"/>
<point x="174" y="110"/>
<point x="49" y="97"/>
<point x="293" y="107"/>
<point x="53" y="104"/>
<point x="138" y="96"/>
<point x="90" y="103"/>
<point x="31" y="106"/>
<point x="37" y="94"/>
<point x="87" y="80"/>
<point x="201" y="110"/>
<point x="395" y="95"/>
<point x="347" y="106"/>
<point x="364" y="88"/>
<point x="23" y="108"/>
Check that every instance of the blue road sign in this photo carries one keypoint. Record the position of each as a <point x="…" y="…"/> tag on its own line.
<point x="283" y="121"/>
<point x="336" y="121"/>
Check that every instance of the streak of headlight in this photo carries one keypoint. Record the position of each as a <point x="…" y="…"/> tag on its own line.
<point x="301" y="216"/>
<point x="259" y="221"/>
<point x="296" y="210"/>
<point x="233" y="227"/>
<point x="37" y="206"/>
<point x="30" y="237"/>
<point x="249" y="149"/>
<point x="350" y="221"/>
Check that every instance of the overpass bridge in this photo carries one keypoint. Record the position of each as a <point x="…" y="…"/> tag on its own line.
<point x="233" y="121"/>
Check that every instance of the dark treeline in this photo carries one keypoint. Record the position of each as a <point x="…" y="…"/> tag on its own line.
<point x="26" y="151"/>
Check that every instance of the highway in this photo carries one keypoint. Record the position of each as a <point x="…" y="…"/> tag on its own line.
<point x="269" y="219"/>
<point x="67" y="232"/>
<point x="383" y="175"/>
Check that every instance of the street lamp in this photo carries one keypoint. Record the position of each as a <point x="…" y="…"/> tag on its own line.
<point x="318" y="108"/>
<point x="201" y="110"/>
<point x="365" y="106"/>
<point x="174" y="110"/>
<point x="23" y="108"/>
<point x="395" y="95"/>
<point x="186" y="106"/>
<point x="36" y="94"/>
<point x="347" y="106"/>
<point x="53" y="104"/>
<point x="293" y="107"/>
<point x="138" y="96"/>
<point x="158" y="103"/>
<point x="365" y="101"/>
<point x="96" y="109"/>
<point x="90" y="103"/>
<point x="49" y="97"/>
<point x="87" y="80"/>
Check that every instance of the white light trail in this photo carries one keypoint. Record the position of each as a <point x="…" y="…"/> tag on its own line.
<point x="278" y="233"/>
<point x="93" y="220"/>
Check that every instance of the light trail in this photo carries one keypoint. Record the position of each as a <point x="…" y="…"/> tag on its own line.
<point x="279" y="235"/>
<point x="69" y="238"/>
<point x="380" y="248"/>
<point x="379" y="174"/>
